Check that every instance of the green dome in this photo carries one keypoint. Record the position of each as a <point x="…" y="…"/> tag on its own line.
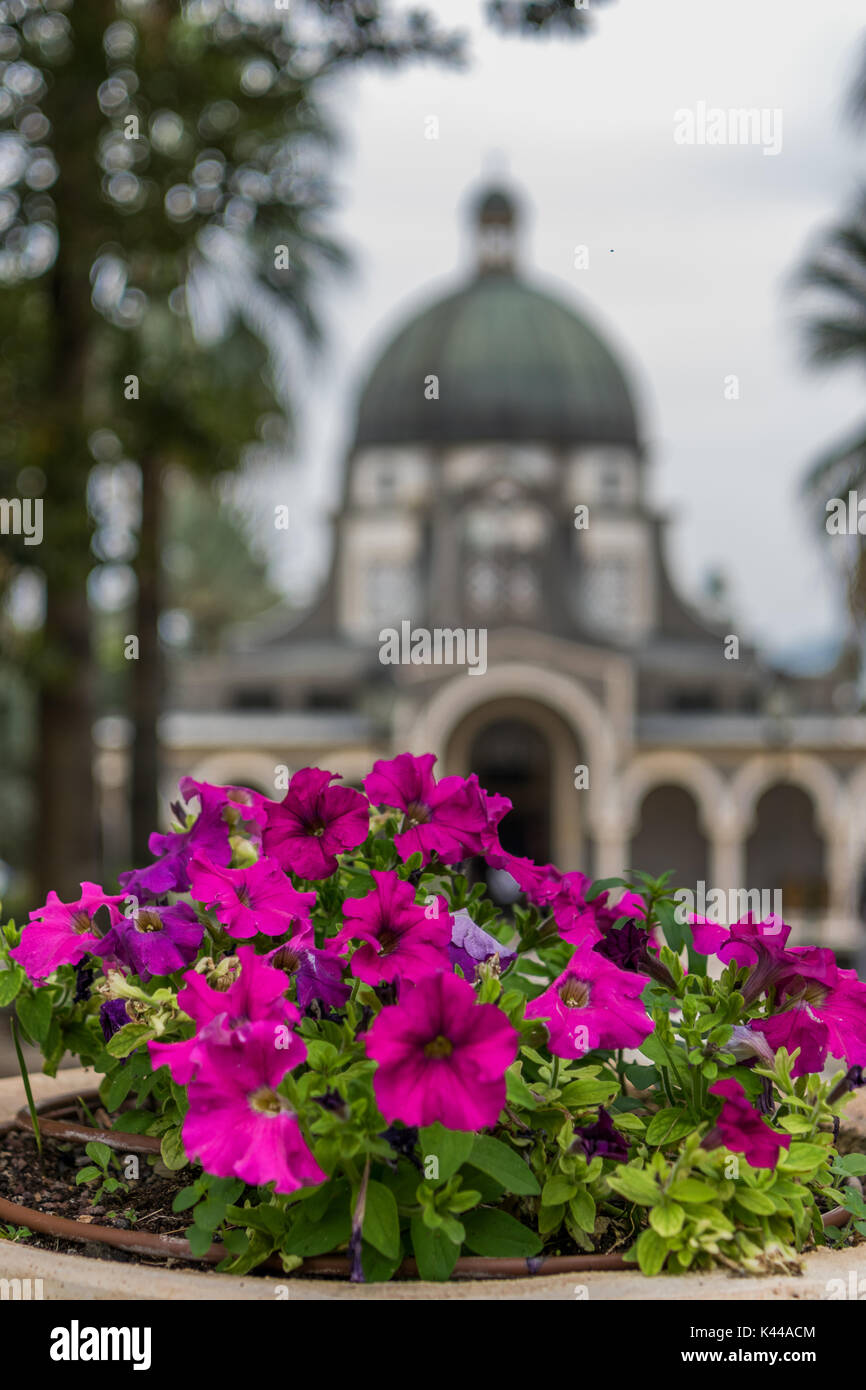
<point x="513" y="364"/>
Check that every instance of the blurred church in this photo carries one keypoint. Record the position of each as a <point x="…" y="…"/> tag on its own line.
<point x="497" y="480"/>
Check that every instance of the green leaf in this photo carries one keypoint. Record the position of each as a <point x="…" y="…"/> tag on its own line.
<point x="587" y="1090"/>
<point x="34" y="1011"/>
<point x="381" y="1220"/>
<point x="651" y="1250"/>
<point x="637" y="1186"/>
<point x="667" y="1218"/>
<point x="667" y="1126"/>
<point x="11" y="980"/>
<point x="450" y="1147"/>
<point x="186" y="1198"/>
<point x="209" y="1214"/>
<point x="692" y="1190"/>
<point x="498" y="1234"/>
<point x="503" y="1164"/>
<point x="128" y="1038"/>
<point x="118" y="1088"/>
<point x="557" y="1189"/>
<point x="87" y="1174"/>
<point x="99" y="1152"/>
<point x="171" y="1149"/>
<point x="582" y="1207"/>
<point x="379" y="1268"/>
<point x="199" y="1240"/>
<point x="320" y="1237"/>
<point x="753" y="1200"/>
<point x="435" y="1253"/>
<point x="516" y="1090"/>
<point x="802" y="1158"/>
<point x="853" y="1164"/>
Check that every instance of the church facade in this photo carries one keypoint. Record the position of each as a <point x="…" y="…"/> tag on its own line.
<point x="499" y="596"/>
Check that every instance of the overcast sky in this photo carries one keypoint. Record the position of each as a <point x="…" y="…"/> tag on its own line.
<point x="692" y="249"/>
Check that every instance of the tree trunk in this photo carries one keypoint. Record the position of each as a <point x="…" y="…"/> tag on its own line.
<point x="147" y="672"/>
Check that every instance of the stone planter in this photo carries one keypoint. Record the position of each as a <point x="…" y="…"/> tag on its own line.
<point x="81" y="1277"/>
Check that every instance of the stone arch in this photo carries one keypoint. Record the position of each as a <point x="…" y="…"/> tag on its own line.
<point x="548" y="794"/>
<point x="667" y="767"/>
<point x="431" y="727"/>
<point x="804" y="770"/>
<point x="238" y="768"/>
<point x="668" y="835"/>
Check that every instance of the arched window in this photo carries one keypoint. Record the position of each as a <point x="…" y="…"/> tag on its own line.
<point x="785" y="850"/>
<point x="669" y="837"/>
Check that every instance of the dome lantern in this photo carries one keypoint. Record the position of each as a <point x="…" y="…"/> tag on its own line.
<point x="496" y="218"/>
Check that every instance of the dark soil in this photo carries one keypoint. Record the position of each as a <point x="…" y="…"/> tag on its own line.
<point x="50" y="1187"/>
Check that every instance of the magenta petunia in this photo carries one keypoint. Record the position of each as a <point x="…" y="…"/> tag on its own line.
<point x="155" y="940"/>
<point x="442" y="1056"/>
<point x="400" y="940"/>
<point x="449" y="817"/>
<point x="256" y="899"/>
<point x="250" y="991"/>
<point x="592" y="1004"/>
<point x="208" y="835"/>
<point x="237" y="1124"/>
<point x="314" y="823"/>
<point x="63" y="933"/>
<point x="822" y="1010"/>
<point x="741" y="1129"/>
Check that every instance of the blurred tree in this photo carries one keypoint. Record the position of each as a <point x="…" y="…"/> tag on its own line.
<point x="835" y="335"/>
<point x="157" y="158"/>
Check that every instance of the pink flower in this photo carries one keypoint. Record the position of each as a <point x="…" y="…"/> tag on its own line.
<point x="237" y="1124"/>
<point x="257" y="899"/>
<point x="442" y="1056"/>
<point x="449" y="817"/>
<point x="62" y="933"/>
<point x="314" y="823"/>
<point x="318" y="974"/>
<point x="592" y="1004"/>
<point x="251" y="993"/>
<point x="741" y="1129"/>
<point x="824" y="1010"/>
<point x="399" y="940"/>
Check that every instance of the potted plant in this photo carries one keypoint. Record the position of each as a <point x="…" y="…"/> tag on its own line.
<point x="309" y="1014"/>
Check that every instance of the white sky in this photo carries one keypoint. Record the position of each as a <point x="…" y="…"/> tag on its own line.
<point x="691" y="253"/>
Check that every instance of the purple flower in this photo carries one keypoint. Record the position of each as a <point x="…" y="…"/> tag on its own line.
<point x="398" y="939"/>
<point x="450" y="817"/>
<point x="471" y="944"/>
<point x="155" y="940"/>
<point x="208" y="835"/>
<point x="602" y="1139"/>
<point x="257" y="899"/>
<point x="251" y="992"/>
<point x="741" y="1129"/>
<point x="238" y="1125"/>
<point x="318" y="975"/>
<point x="112" y="1017"/>
<point x="314" y="823"/>
<point x="61" y="933"/>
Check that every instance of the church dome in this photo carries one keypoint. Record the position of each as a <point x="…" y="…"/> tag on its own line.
<point x="513" y="363"/>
